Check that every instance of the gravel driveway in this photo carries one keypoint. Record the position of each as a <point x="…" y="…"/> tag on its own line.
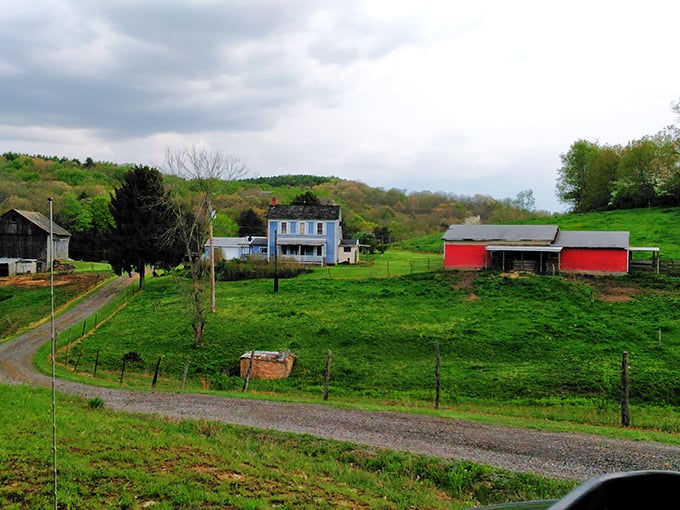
<point x="558" y="455"/>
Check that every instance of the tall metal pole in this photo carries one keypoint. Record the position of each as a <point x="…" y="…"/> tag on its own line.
<point x="53" y="337"/>
<point x="276" y="262"/>
<point x="212" y="270"/>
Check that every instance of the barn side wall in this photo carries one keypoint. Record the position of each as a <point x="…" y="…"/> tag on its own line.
<point x="595" y="261"/>
<point x="465" y="256"/>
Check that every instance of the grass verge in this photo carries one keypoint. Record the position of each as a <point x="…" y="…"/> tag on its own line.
<point x="108" y="459"/>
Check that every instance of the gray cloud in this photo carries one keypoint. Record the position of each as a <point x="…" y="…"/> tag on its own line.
<point x="135" y="68"/>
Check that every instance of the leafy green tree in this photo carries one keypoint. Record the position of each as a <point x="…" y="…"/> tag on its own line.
<point x="574" y="173"/>
<point x="73" y="215"/>
<point x="306" y="198"/>
<point x="250" y="224"/>
<point x="525" y="200"/>
<point x="142" y="213"/>
<point x="601" y="179"/>
<point x="645" y="167"/>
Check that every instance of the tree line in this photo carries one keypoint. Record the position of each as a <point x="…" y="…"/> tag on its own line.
<point x="642" y="173"/>
<point x="82" y="194"/>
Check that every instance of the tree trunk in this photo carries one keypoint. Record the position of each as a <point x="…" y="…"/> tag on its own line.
<point x="140" y="270"/>
<point x="199" y="315"/>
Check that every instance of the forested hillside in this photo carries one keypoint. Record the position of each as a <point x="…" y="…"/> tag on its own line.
<point x="82" y="193"/>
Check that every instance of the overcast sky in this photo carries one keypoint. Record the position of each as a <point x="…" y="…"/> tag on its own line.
<point x="458" y="97"/>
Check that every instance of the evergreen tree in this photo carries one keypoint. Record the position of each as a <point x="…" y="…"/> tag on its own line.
<point x="307" y="198"/>
<point x="142" y="215"/>
<point x="250" y="224"/>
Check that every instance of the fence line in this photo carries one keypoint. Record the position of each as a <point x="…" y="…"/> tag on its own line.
<point x="421" y="266"/>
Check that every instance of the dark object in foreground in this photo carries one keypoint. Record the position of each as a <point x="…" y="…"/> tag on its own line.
<point x="614" y="491"/>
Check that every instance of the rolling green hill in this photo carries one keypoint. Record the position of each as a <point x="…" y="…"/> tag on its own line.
<point x="81" y="193"/>
<point x="551" y="344"/>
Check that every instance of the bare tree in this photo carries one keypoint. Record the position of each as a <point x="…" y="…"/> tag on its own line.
<point x="203" y="165"/>
<point x="194" y="219"/>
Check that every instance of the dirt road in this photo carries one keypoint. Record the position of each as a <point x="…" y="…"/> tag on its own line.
<point x="569" y="456"/>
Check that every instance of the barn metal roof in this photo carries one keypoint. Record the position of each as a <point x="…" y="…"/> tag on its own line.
<point x="506" y="233"/>
<point x="593" y="239"/>
<point x="43" y="222"/>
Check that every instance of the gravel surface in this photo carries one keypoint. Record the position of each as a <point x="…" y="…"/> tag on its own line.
<point x="558" y="455"/>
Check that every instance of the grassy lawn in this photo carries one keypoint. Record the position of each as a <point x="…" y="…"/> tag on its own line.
<point x="117" y="460"/>
<point x="389" y="264"/>
<point x="531" y="347"/>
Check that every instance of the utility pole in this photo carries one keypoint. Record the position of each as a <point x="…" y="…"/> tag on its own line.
<point x="53" y="337"/>
<point x="276" y="266"/>
<point x="212" y="262"/>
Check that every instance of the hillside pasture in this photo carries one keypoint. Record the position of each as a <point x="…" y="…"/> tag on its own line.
<point x="546" y="343"/>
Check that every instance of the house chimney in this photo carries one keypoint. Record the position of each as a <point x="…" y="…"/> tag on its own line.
<point x="273" y="200"/>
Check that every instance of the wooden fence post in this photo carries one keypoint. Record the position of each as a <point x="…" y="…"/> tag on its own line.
<point x="625" y="413"/>
<point x="96" y="364"/>
<point x="184" y="374"/>
<point x="80" y="353"/>
<point x="327" y="376"/>
<point x="436" y="375"/>
<point x="68" y="345"/>
<point x="122" y="371"/>
<point x="155" y="373"/>
<point x="250" y="369"/>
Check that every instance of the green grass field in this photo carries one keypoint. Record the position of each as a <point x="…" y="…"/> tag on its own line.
<point x="117" y="460"/>
<point x="523" y="351"/>
<point x="553" y="345"/>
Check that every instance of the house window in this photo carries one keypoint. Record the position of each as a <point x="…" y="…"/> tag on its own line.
<point x="302" y="228"/>
<point x="284" y="227"/>
<point x="319" y="228"/>
<point x="319" y="251"/>
<point x="347" y="249"/>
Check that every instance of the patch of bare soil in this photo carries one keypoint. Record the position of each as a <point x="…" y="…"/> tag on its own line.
<point x="465" y="283"/>
<point x="28" y="281"/>
<point x="617" y="294"/>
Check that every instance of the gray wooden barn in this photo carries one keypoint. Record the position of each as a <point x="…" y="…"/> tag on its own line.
<point x="26" y="234"/>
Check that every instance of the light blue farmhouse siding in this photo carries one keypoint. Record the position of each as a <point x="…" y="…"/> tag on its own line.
<point x="332" y="242"/>
<point x="308" y="233"/>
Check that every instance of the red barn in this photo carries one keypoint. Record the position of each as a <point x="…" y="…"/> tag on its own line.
<point x="542" y="249"/>
<point x="506" y="247"/>
<point x="594" y="252"/>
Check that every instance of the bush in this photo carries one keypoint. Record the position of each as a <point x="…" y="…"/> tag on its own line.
<point x="234" y="270"/>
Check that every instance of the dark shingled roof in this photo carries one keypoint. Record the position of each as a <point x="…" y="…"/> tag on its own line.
<point x="593" y="239"/>
<point x="43" y="222"/>
<point x="507" y="233"/>
<point x="303" y="212"/>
